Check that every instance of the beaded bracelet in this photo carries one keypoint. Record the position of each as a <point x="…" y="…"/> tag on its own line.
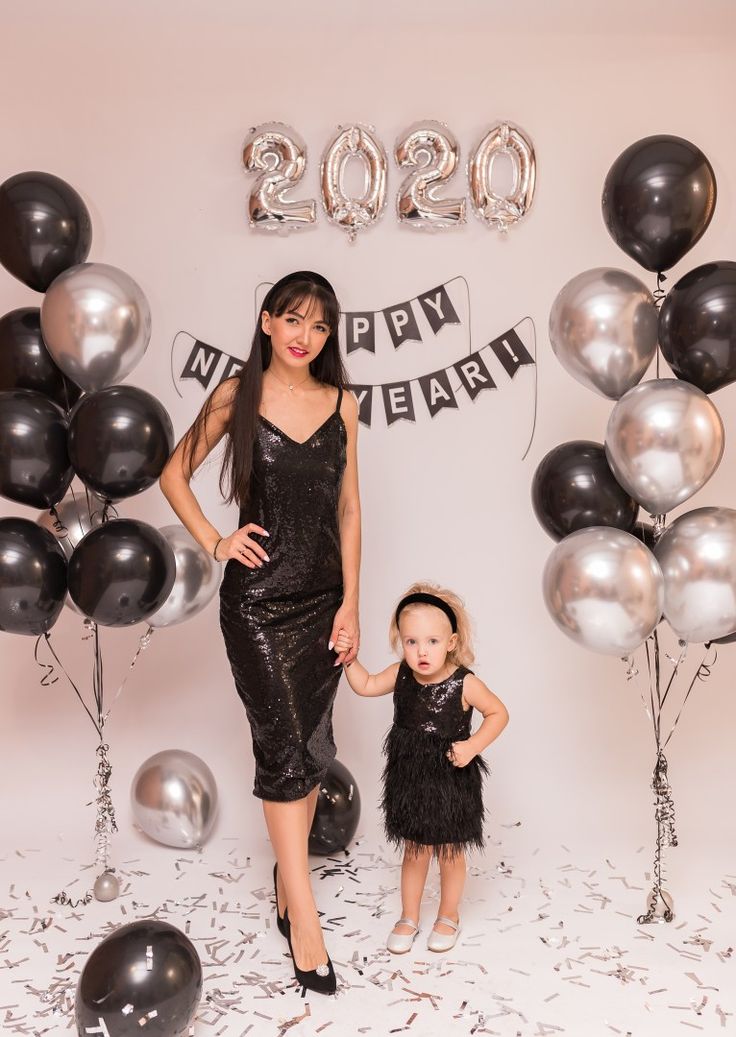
<point x="214" y="549"/>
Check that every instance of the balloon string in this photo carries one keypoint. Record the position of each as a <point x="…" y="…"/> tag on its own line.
<point x="702" y="673"/>
<point x="143" y="643"/>
<point x="50" y="669"/>
<point x="536" y="386"/>
<point x="658" y="295"/>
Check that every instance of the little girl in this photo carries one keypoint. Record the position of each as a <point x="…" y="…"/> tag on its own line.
<point x="432" y="794"/>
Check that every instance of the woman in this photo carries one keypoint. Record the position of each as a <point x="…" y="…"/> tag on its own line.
<point x="289" y="596"/>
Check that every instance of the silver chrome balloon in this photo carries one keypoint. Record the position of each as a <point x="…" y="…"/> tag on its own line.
<point x="603" y="330"/>
<point x="664" y="441"/>
<point x="174" y="798"/>
<point x="106" y="887"/>
<point x="432" y="149"/>
<point x="197" y="579"/>
<point x="96" y="324"/>
<point x="354" y="214"/>
<point x="279" y="155"/>
<point x="604" y="589"/>
<point x="496" y="210"/>
<point x="72" y="524"/>
<point x="697" y="554"/>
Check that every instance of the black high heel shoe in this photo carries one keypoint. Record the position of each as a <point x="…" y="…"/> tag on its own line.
<point x="282" y="922"/>
<point x="321" y="980"/>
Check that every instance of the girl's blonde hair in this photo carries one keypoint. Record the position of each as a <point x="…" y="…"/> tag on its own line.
<point x="462" y="653"/>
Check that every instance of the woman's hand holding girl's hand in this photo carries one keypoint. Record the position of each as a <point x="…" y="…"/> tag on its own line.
<point x="345" y="636"/>
<point x="461" y="753"/>
<point x="240" y="547"/>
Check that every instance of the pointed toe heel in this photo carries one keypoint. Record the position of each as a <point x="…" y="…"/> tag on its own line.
<point x="321" y="980"/>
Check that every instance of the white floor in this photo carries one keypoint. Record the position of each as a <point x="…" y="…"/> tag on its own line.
<point x="550" y="943"/>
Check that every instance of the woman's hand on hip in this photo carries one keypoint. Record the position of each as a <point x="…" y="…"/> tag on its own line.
<point x="240" y="547"/>
<point x="345" y="631"/>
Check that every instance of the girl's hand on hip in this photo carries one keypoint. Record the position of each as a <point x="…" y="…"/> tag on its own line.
<point x="240" y="547"/>
<point x="345" y="636"/>
<point x="460" y="754"/>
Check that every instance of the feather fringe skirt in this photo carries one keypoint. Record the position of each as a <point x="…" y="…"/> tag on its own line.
<point x="427" y="802"/>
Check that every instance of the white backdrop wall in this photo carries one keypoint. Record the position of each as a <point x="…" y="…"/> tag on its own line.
<point x="143" y="109"/>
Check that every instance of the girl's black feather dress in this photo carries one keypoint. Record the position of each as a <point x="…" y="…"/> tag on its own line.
<point x="427" y="801"/>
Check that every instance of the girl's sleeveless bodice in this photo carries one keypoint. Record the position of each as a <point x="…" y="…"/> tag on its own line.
<point x="432" y="708"/>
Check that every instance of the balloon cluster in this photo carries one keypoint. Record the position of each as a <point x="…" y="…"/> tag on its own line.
<point x="611" y="578"/>
<point x="60" y="416"/>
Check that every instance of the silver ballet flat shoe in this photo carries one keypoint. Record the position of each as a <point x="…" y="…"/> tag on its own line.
<point x="400" y="943"/>
<point x="443" y="941"/>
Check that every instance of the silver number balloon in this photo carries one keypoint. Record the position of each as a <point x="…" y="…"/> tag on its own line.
<point x="174" y="798"/>
<point x="664" y="441"/>
<point x="354" y="214"/>
<point x="603" y="330"/>
<point x="496" y="210"/>
<point x="698" y="559"/>
<point x="96" y="324"/>
<point x="196" y="582"/>
<point x="433" y="150"/>
<point x="604" y="589"/>
<point x="279" y="156"/>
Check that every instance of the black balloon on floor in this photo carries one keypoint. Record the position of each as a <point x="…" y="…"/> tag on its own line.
<point x="34" y="462"/>
<point x="697" y="326"/>
<point x="574" y="487"/>
<point x="44" y="228"/>
<point x="338" y="812"/>
<point x="144" y="978"/>
<point x="121" y="572"/>
<point x="32" y="577"/>
<point x="120" y="439"/>
<point x="658" y="199"/>
<point x="25" y="362"/>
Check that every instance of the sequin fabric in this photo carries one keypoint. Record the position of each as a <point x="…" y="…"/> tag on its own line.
<point x="277" y="620"/>
<point x="435" y="709"/>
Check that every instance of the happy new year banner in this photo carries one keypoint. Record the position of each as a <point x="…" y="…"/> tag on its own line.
<point x="431" y="391"/>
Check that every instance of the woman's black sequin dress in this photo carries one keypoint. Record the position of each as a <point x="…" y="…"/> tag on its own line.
<point x="277" y="620"/>
<point x="427" y="801"/>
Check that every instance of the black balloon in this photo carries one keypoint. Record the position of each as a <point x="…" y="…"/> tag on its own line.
<point x="338" y="812"/>
<point x="727" y="639"/>
<point x="144" y="978"/>
<point x="32" y="577"/>
<point x="44" y="228"/>
<point x="25" y="362"/>
<point x="658" y="199"/>
<point x="697" y="326"/>
<point x="574" y="487"/>
<point x="120" y="439"/>
<point x="121" y="572"/>
<point x="34" y="462"/>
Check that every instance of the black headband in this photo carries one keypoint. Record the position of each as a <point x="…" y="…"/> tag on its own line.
<point x="298" y="275"/>
<point x="427" y="599"/>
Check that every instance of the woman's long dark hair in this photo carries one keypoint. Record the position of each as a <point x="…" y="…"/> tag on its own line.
<point x="246" y="387"/>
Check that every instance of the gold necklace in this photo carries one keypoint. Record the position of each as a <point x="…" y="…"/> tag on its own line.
<point x="290" y="385"/>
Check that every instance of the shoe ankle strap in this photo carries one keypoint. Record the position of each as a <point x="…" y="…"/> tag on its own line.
<point x="447" y="921"/>
<point x="408" y="921"/>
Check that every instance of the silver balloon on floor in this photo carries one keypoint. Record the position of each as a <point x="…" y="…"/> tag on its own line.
<point x="603" y="330"/>
<point x="664" y="441"/>
<point x="174" y="798"/>
<point x="604" y="589"/>
<point x="196" y="581"/>
<point x="698" y="559"/>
